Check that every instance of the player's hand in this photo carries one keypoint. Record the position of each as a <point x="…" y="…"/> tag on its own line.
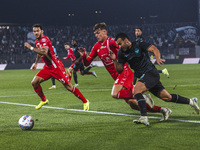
<point x="27" y="45"/>
<point x="160" y="61"/>
<point x="81" y="50"/>
<point x="64" y="57"/>
<point x="112" y="55"/>
<point x="34" y="67"/>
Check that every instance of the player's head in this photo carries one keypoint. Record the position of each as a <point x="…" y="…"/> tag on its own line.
<point x="138" y="32"/>
<point x="100" y="31"/>
<point x="67" y="45"/>
<point x="122" y="40"/>
<point x="74" y="43"/>
<point x="37" y="31"/>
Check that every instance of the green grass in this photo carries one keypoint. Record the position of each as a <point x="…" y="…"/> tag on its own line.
<point x="72" y="130"/>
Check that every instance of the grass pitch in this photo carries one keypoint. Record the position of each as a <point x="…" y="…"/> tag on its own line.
<point x="69" y="129"/>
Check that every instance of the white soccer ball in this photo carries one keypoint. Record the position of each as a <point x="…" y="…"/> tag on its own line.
<point x="26" y="122"/>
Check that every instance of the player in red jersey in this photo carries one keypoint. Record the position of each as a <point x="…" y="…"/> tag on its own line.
<point x="70" y="52"/>
<point x="53" y="68"/>
<point x="123" y="83"/>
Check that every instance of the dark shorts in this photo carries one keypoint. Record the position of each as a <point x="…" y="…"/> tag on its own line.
<point x="78" y="66"/>
<point x="151" y="79"/>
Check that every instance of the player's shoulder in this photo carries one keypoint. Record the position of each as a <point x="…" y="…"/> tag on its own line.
<point x="44" y="39"/>
<point x="96" y="45"/>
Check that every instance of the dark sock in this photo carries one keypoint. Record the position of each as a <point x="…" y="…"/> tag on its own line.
<point x="179" y="99"/>
<point x="53" y="80"/>
<point x="159" y="71"/>
<point x="86" y="70"/>
<point x="75" y="78"/>
<point x="142" y="104"/>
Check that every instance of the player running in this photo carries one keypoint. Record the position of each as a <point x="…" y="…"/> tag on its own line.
<point x="123" y="83"/>
<point x="149" y="79"/>
<point x="53" y="68"/>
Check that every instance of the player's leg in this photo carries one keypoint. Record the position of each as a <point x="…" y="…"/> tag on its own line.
<point x="175" y="98"/>
<point x="78" y="94"/>
<point x="38" y="89"/>
<point x="86" y="71"/>
<point x="53" y="83"/>
<point x="138" y="90"/>
<point x="75" y="78"/>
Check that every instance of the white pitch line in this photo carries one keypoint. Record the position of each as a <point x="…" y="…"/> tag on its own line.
<point x="98" y="112"/>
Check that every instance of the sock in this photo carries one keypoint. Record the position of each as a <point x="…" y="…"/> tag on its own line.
<point x="142" y="104"/>
<point x="38" y="90"/>
<point x="154" y="109"/>
<point x="179" y="99"/>
<point x="124" y="93"/>
<point x="86" y="70"/>
<point x="78" y="94"/>
<point x="53" y="80"/>
<point x="160" y="71"/>
<point x="75" y="78"/>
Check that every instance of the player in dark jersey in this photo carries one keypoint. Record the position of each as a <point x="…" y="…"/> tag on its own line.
<point x="53" y="68"/>
<point x="149" y="79"/>
<point x="78" y="65"/>
<point x="138" y="40"/>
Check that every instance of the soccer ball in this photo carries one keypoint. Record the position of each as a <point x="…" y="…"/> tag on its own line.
<point x="26" y="122"/>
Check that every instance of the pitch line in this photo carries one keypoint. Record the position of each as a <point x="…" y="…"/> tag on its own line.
<point x="97" y="112"/>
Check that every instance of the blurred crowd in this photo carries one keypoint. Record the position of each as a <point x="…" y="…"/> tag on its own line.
<point x="12" y="38"/>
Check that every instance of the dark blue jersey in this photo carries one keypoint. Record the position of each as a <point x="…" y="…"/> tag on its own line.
<point x="138" y="58"/>
<point x="76" y="53"/>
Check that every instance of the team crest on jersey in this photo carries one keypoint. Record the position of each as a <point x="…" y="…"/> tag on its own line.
<point x="112" y="39"/>
<point x="137" y="50"/>
<point x="103" y="47"/>
<point x="43" y="40"/>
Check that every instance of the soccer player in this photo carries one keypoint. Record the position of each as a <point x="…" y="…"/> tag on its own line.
<point x="123" y="83"/>
<point x="70" y="53"/>
<point x="149" y="79"/>
<point x="78" y="65"/>
<point x="52" y="68"/>
<point x="139" y="39"/>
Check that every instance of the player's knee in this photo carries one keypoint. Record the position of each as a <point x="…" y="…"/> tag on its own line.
<point x="114" y="95"/>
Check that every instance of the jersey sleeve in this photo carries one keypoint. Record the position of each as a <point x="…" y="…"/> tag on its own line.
<point x="121" y="59"/>
<point x="87" y="61"/>
<point x="69" y="54"/>
<point x="45" y="42"/>
<point x="144" y="46"/>
<point x="113" y="43"/>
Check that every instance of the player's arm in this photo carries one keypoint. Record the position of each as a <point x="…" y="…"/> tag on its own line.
<point x="119" y="67"/>
<point x="40" y="51"/>
<point x="36" y="62"/>
<point x="87" y="60"/>
<point x="156" y="52"/>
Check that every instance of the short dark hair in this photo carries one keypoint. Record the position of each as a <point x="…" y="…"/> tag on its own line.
<point x="37" y="26"/>
<point x="139" y="28"/>
<point x="66" y="43"/>
<point x="123" y="36"/>
<point x="101" y="26"/>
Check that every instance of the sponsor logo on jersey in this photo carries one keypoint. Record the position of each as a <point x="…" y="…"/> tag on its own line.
<point x="103" y="47"/>
<point x="137" y="50"/>
<point x="43" y="40"/>
<point x="126" y="55"/>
